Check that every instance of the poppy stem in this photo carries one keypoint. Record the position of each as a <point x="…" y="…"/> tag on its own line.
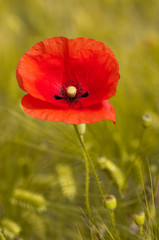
<point x="141" y="233"/>
<point x="80" y="138"/>
<point x="88" y="161"/>
<point x="86" y="157"/>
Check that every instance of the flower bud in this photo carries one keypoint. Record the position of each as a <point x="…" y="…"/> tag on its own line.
<point x="81" y="128"/>
<point x="139" y="218"/>
<point x="111" y="202"/>
<point x="146" y="120"/>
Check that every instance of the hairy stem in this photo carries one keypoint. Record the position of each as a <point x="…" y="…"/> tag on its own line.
<point x="88" y="161"/>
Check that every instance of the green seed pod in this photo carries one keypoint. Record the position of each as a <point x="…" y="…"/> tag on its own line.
<point x="81" y="128"/>
<point x="111" y="202"/>
<point x="146" y="120"/>
<point x="139" y="218"/>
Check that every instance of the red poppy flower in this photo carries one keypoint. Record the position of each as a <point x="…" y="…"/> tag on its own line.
<point x="69" y="80"/>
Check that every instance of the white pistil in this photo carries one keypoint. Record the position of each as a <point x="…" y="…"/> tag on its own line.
<point x="71" y="91"/>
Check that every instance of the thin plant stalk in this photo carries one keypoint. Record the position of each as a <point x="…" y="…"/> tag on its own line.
<point x="141" y="233"/>
<point x="86" y="181"/>
<point x="86" y="155"/>
<point x="87" y="173"/>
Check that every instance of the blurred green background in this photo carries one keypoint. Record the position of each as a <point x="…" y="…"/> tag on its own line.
<point x="42" y="174"/>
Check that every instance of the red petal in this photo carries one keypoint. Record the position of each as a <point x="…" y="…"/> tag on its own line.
<point x="96" y="75"/>
<point x="46" y="111"/>
<point x="43" y="69"/>
<point x="41" y="76"/>
<point x="100" y="70"/>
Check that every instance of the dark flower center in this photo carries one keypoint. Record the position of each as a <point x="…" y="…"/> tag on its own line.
<point x="71" y="92"/>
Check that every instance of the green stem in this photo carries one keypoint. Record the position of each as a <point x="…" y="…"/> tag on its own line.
<point x="89" y="160"/>
<point x="87" y="172"/>
<point x="87" y="177"/>
<point x="141" y="232"/>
